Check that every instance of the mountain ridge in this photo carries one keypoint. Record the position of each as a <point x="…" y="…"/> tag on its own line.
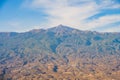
<point x="57" y="28"/>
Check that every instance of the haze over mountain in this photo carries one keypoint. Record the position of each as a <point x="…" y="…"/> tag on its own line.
<point x="59" y="53"/>
<point x="24" y="15"/>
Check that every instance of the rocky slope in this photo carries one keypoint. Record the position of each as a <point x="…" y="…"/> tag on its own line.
<point x="59" y="53"/>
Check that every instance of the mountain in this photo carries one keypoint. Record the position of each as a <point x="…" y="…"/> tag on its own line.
<point x="59" y="53"/>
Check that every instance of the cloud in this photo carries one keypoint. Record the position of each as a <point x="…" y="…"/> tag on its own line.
<point x="102" y="21"/>
<point x="113" y="29"/>
<point x="75" y="13"/>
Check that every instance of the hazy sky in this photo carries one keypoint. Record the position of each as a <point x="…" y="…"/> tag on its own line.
<point x="24" y="15"/>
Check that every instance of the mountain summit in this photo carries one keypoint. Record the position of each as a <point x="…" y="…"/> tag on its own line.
<point x="61" y="28"/>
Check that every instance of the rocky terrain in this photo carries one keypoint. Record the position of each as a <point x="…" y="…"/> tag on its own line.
<point x="59" y="53"/>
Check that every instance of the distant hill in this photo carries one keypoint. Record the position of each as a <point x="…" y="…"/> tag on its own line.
<point x="59" y="53"/>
